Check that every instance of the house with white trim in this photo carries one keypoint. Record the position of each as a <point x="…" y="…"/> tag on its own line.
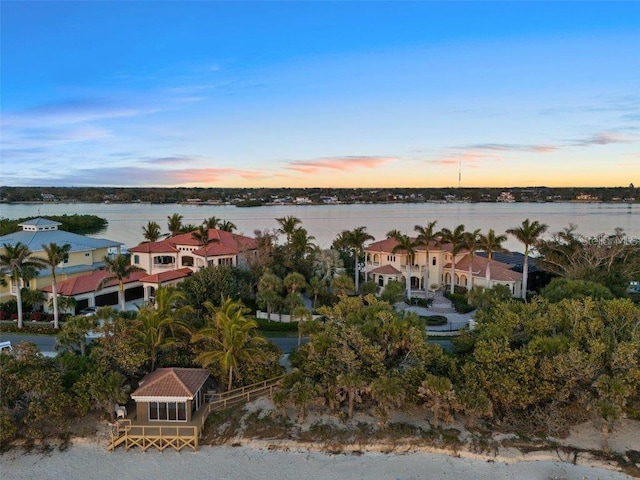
<point x="86" y="254"/>
<point x="382" y="265"/>
<point x="184" y="251"/>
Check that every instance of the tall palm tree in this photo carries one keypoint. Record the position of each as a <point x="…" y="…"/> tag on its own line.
<point x="426" y="236"/>
<point x="174" y="224"/>
<point x="212" y="222"/>
<point x="356" y="240"/>
<point x="288" y="225"/>
<point x="454" y="237"/>
<point x="151" y="231"/>
<point x="472" y="243"/>
<point x="232" y="339"/>
<point x="301" y="243"/>
<point x="227" y="226"/>
<point x="201" y="235"/>
<point x="491" y="243"/>
<point x="407" y="245"/>
<point x="528" y="234"/>
<point x="20" y="263"/>
<point x="158" y="327"/>
<point x="55" y="256"/>
<point x="119" y="268"/>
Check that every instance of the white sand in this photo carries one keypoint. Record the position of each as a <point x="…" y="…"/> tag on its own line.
<point x="91" y="461"/>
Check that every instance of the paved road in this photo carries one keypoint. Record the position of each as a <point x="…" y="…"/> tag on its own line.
<point x="47" y="343"/>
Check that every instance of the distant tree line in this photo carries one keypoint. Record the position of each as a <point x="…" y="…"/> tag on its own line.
<point x="263" y="196"/>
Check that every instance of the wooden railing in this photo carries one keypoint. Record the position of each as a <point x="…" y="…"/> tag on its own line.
<point x="153" y="436"/>
<point x="220" y="401"/>
<point x="181" y="436"/>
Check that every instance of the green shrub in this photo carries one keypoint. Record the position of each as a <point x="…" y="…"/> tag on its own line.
<point x="434" y="320"/>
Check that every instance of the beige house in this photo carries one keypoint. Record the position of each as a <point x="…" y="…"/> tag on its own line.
<point x="183" y="251"/>
<point x="382" y="265"/>
<point x="85" y="256"/>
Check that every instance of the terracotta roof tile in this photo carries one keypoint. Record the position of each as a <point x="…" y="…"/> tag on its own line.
<point x="89" y="283"/>
<point x="167" y="276"/>
<point x="387" y="270"/>
<point x="223" y="243"/>
<point x="171" y="382"/>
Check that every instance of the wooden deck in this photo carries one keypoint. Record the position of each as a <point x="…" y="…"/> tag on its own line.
<point x="126" y="432"/>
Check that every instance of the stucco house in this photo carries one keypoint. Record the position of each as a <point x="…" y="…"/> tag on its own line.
<point x="85" y="256"/>
<point x="85" y="290"/>
<point x="382" y="265"/>
<point x="184" y="251"/>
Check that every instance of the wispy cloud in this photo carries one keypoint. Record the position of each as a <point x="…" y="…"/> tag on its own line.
<point x="79" y="110"/>
<point x="510" y="147"/>
<point x="173" y="160"/>
<point x="601" y="139"/>
<point x="347" y="163"/>
<point x="468" y="159"/>
<point x="132" y="176"/>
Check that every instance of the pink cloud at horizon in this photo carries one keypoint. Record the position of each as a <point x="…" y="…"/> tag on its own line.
<point x="347" y="164"/>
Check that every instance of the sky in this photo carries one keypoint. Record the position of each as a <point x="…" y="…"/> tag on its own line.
<point x="319" y="94"/>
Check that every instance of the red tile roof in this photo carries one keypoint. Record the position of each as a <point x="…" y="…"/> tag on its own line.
<point x="167" y="276"/>
<point x="171" y="382"/>
<point x="387" y="270"/>
<point x="499" y="271"/>
<point x="222" y="243"/>
<point x="163" y="246"/>
<point x="89" y="283"/>
<point x="388" y="244"/>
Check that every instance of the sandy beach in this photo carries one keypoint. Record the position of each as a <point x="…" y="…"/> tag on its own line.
<point x="89" y="460"/>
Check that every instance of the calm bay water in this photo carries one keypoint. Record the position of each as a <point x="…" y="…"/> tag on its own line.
<point x="324" y="222"/>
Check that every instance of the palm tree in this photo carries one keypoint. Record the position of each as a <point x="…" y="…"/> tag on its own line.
<point x="18" y="260"/>
<point x="288" y="225"/>
<point x="456" y="239"/>
<point x="327" y="264"/>
<point x="407" y="245"/>
<point x="269" y="288"/>
<point x="212" y="222"/>
<point x="232" y="338"/>
<point x="151" y="231"/>
<point x="301" y="243"/>
<point x="119" y="268"/>
<point x="174" y="224"/>
<point x="491" y="243"/>
<point x="426" y="236"/>
<point x="472" y="243"/>
<point x="55" y="256"/>
<point x="356" y="239"/>
<point x="528" y="234"/>
<point x="201" y="235"/>
<point x="158" y="327"/>
<point x="227" y="226"/>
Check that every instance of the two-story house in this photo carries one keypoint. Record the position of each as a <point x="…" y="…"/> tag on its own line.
<point x="86" y="254"/>
<point x="383" y="265"/>
<point x="172" y="259"/>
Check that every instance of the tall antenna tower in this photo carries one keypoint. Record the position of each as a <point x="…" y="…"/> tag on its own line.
<point x="459" y="170"/>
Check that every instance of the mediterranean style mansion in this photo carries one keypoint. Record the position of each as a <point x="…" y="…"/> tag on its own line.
<point x="382" y="265"/>
<point x="170" y="260"/>
<point x="163" y="263"/>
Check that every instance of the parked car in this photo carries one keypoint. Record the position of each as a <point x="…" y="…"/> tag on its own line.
<point x="89" y="311"/>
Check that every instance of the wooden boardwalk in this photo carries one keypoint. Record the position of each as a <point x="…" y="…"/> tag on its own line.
<point x="125" y="432"/>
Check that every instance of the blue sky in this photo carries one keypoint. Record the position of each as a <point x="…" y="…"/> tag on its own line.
<point x="344" y="94"/>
